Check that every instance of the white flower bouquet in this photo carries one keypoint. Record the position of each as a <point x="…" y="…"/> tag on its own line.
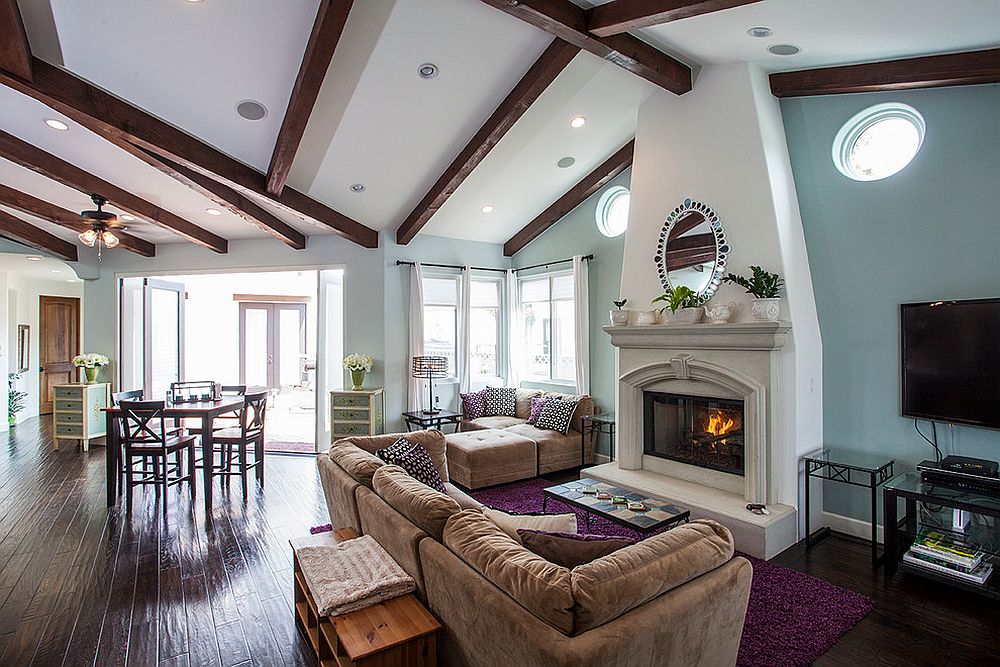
<point x="359" y="362"/>
<point x="90" y="360"/>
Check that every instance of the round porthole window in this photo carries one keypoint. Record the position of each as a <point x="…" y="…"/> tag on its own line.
<point x="878" y="142"/>
<point x="612" y="211"/>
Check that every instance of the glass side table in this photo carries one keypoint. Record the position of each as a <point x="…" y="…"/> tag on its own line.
<point x="593" y="425"/>
<point x="848" y="467"/>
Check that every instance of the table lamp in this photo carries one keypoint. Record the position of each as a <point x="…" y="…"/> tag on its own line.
<point x="428" y="368"/>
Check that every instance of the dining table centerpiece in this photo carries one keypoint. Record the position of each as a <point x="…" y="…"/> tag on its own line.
<point x="359" y="365"/>
<point x="91" y="363"/>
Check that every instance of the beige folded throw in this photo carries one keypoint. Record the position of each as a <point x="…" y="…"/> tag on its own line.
<point x="352" y="575"/>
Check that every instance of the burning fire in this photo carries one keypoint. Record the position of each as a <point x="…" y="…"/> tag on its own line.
<point x="719" y="423"/>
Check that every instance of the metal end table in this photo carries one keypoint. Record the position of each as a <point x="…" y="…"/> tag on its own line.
<point x="423" y="420"/>
<point x="597" y="424"/>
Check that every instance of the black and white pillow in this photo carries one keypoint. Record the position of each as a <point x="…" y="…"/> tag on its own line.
<point x="415" y="460"/>
<point x="556" y="415"/>
<point x="501" y="401"/>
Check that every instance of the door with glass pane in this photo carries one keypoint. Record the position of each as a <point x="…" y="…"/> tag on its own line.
<point x="272" y="344"/>
<point x="163" y="340"/>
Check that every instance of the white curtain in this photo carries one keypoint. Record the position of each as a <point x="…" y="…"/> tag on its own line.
<point x="415" y="399"/>
<point x="464" y="334"/>
<point x="515" y="338"/>
<point x="581" y="299"/>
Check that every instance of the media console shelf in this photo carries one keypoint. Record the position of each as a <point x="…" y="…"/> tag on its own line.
<point x="932" y="506"/>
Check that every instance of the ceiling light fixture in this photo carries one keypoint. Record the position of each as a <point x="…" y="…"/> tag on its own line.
<point x="577" y="121"/>
<point x="71" y="280"/>
<point x="357" y="187"/>
<point x="102" y="223"/>
<point x="213" y="211"/>
<point x="428" y="71"/>
<point x="32" y="258"/>
<point x="566" y="162"/>
<point x="760" y="31"/>
<point x="56" y="124"/>
<point x="488" y="208"/>
<point x="784" y="49"/>
<point x="251" y="110"/>
<point x="126" y="217"/>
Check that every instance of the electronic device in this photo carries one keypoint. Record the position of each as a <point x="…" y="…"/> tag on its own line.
<point x="950" y="361"/>
<point x="969" y="465"/>
<point x="932" y="472"/>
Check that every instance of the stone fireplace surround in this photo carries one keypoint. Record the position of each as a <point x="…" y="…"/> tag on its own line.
<point x="735" y="361"/>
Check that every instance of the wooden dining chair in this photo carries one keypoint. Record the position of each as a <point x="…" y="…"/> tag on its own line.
<point x="250" y="433"/>
<point x="146" y="436"/>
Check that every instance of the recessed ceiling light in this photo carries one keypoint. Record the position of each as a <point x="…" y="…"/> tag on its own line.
<point x="760" y="31"/>
<point x="566" y="162"/>
<point x="784" y="49"/>
<point x="56" y="124"/>
<point x="126" y="217"/>
<point x="427" y="71"/>
<point x="488" y="208"/>
<point x="358" y="187"/>
<point x="55" y="270"/>
<point x="71" y="280"/>
<point x="577" y="121"/>
<point x="213" y="211"/>
<point x="251" y="110"/>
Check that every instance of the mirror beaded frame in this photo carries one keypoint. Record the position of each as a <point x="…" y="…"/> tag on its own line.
<point x="722" y="248"/>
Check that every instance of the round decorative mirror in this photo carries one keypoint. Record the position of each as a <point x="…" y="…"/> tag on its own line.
<point x="692" y="250"/>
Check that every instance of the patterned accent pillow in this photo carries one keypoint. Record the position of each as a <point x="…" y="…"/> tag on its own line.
<point x="556" y="415"/>
<point x="415" y="460"/>
<point x="537" y="403"/>
<point x="474" y="404"/>
<point x="500" y="401"/>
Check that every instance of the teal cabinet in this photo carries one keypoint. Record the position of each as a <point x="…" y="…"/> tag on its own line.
<point x="78" y="412"/>
<point x="357" y="413"/>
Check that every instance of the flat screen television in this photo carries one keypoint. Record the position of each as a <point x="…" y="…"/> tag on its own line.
<point x="951" y="361"/>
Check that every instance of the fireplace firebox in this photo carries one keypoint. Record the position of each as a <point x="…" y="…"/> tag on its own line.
<point x="700" y="431"/>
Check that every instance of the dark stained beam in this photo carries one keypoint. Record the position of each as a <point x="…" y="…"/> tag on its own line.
<point x="693" y="242"/>
<point x="548" y="66"/>
<point x="579" y="193"/>
<point x="125" y="124"/>
<point x="329" y="25"/>
<point x="621" y="16"/>
<point x="57" y="215"/>
<point x="15" y="53"/>
<point x="683" y="259"/>
<point x="953" y="69"/>
<point x="59" y="170"/>
<point x="27" y="234"/>
<point x="568" y="22"/>
<point x="686" y="224"/>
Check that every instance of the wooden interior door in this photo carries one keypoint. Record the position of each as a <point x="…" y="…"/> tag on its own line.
<point x="58" y="343"/>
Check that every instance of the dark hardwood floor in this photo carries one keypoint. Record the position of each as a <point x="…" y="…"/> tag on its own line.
<point x="81" y="584"/>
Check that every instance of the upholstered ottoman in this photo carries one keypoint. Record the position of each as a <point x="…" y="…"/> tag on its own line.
<point x="490" y="456"/>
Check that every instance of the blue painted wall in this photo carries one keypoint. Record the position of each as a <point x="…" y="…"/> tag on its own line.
<point x="930" y="232"/>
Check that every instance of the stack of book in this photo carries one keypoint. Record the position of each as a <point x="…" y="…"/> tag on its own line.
<point x="949" y="555"/>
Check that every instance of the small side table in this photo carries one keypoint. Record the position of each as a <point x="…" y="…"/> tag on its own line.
<point x="423" y="420"/>
<point x="597" y="424"/>
<point x="848" y="467"/>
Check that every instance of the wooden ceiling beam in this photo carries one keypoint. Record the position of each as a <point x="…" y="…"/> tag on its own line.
<point x="15" y="52"/>
<point x="59" y="216"/>
<point x="34" y="237"/>
<point x="125" y="125"/>
<point x="327" y="29"/>
<point x="579" y="193"/>
<point x="542" y="73"/>
<point x="952" y="69"/>
<point x="621" y="16"/>
<point x="568" y="22"/>
<point x="59" y="170"/>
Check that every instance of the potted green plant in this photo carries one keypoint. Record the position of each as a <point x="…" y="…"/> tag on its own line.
<point x="619" y="316"/>
<point x="684" y="304"/>
<point x="91" y="363"/>
<point x="15" y="398"/>
<point x="764" y="286"/>
<point x="359" y="365"/>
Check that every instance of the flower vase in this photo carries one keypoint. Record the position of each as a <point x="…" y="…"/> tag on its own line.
<point x="358" y="378"/>
<point x="91" y="374"/>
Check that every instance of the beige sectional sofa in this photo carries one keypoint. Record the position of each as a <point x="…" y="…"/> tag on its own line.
<point x="678" y="598"/>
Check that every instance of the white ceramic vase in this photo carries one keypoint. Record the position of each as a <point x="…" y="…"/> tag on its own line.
<point x="766" y="310"/>
<point x="647" y="317"/>
<point x="684" y="315"/>
<point x="720" y="313"/>
<point x="619" y="318"/>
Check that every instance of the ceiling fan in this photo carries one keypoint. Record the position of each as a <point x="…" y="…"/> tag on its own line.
<point x="102" y="227"/>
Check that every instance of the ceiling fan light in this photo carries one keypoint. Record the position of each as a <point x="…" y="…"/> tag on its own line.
<point x="88" y="238"/>
<point x="110" y="240"/>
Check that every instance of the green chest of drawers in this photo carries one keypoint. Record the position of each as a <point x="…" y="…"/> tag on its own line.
<point x="77" y="412"/>
<point x="357" y="413"/>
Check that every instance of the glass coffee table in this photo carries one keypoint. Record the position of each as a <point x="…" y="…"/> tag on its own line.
<point x="658" y="515"/>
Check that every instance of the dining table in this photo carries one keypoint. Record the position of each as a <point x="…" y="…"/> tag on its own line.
<point x="205" y="411"/>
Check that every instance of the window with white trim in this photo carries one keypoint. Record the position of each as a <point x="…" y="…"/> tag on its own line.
<point x="878" y="142"/>
<point x="441" y="319"/>
<point x="442" y="313"/>
<point x="485" y="330"/>
<point x="547" y="323"/>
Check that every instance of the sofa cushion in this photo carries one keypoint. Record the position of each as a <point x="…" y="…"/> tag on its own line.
<point x="541" y="587"/>
<point x="481" y="458"/>
<point x="570" y="549"/>
<point x="415" y="460"/>
<point x="355" y="461"/>
<point x="474" y="404"/>
<point x="431" y="439"/>
<point x="496" y="422"/>
<point x="426" y="508"/>
<point x="522" y="402"/>
<point x="556" y="415"/>
<point x="511" y="523"/>
<point x="555" y="450"/>
<point x="610" y="586"/>
<point x="464" y="500"/>
<point x="584" y="407"/>
<point x="501" y="401"/>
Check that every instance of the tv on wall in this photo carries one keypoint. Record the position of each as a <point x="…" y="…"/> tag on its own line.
<point x="951" y="361"/>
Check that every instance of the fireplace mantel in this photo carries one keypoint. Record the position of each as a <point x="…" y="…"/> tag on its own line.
<point x="761" y="336"/>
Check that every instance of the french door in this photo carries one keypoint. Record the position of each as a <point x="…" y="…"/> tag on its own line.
<point x="163" y="336"/>
<point x="272" y="344"/>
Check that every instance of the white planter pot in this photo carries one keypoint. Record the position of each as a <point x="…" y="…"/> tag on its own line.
<point x="647" y="317"/>
<point x="619" y="318"/>
<point x="766" y="310"/>
<point x="684" y="315"/>
<point x="720" y="314"/>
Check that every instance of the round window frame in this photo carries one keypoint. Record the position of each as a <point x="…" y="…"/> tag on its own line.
<point x="862" y="121"/>
<point x="604" y="204"/>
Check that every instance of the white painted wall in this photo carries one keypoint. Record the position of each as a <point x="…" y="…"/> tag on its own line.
<point x="723" y="144"/>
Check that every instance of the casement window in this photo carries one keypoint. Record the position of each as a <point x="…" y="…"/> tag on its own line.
<point x="485" y="330"/>
<point x="547" y="313"/>
<point x="441" y="319"/>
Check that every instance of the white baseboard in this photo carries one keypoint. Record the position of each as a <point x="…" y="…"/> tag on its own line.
<point x="850" y="526"/>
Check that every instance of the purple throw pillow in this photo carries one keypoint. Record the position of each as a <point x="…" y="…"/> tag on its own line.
<point x="415" y="460"/>
<point x="474" y="404"/>
<point x="569" y="549"/>
<point x="537" y="403"/>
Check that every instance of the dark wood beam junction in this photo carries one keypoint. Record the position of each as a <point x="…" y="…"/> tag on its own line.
<point x="579" y="193"/>
<point x="953" y="69"/>
<point x="59" y="170"/>
<point x="327" y="29"/>
<point x="59" y="216"/>
<point x="568" y="22"/>
<point x="27" y="234"/>
<point x="621" y="16"/>
<point x="15" y="52"/>
<point x="541" y="74"/>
